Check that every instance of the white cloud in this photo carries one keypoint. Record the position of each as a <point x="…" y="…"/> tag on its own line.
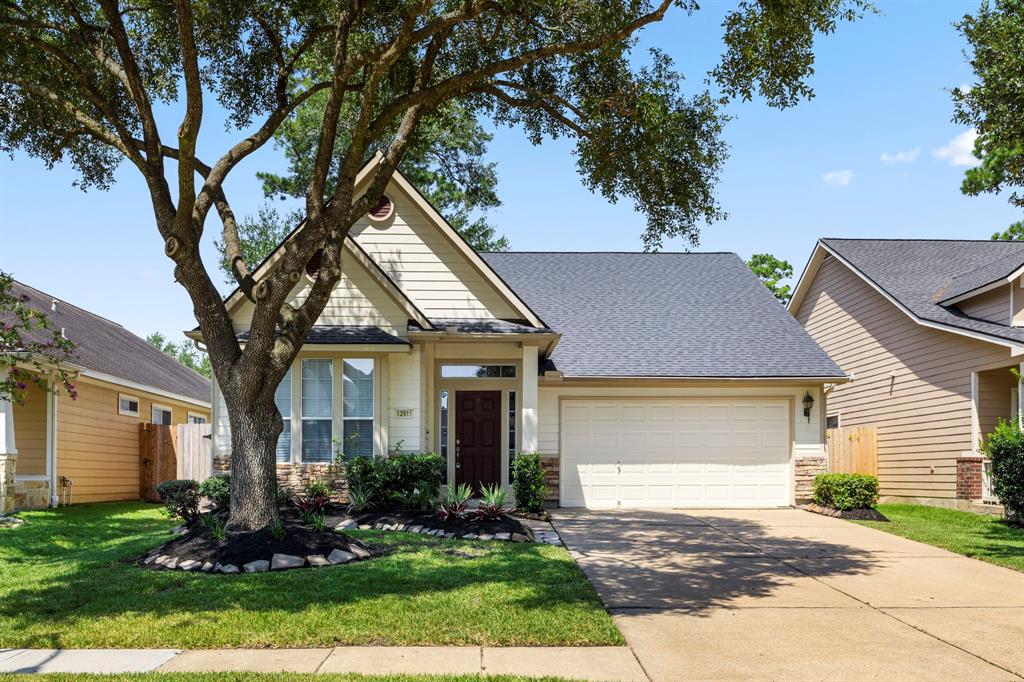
<point x="959" y="150"/>
<point x="901" y="157"/>
<point x="838" y="178"/>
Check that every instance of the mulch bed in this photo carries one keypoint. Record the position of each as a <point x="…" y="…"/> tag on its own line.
<point x="848" y="514"/>
<point x="468" y="525"/>
<point x="238" y="549"/>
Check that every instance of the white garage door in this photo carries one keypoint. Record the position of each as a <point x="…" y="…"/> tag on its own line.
<point x="675" y="453"/>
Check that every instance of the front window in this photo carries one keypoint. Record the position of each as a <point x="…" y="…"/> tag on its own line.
<point x="357" y="415"/>
<point x="478" y="371"/>
<point x="317" y="410"/>
<point x="161" y="415"/>
<point x="283" y="400"/>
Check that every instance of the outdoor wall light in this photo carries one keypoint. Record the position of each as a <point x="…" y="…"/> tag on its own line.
<point x="808" y="404"/>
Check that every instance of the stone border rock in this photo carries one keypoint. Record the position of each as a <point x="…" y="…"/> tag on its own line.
<point x="277" y="562"/>
<point x="547" y="536"/>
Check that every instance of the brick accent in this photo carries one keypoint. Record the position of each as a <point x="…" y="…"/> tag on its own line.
<point x="805" y="469"/>
<point x="968" y="477"/>
<point x="8" y="463"/>
<point x="31" y="494"/>
<point x="551" y="477"/>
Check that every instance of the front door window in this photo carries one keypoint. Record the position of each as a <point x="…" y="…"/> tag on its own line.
<point x="478" y="438"/>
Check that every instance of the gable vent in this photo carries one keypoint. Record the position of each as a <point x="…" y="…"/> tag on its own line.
<point x="383" y="209"/>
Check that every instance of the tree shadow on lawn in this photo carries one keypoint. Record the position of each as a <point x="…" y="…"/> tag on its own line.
<point x="425" y="591"/>
<point x="661" y="562"/>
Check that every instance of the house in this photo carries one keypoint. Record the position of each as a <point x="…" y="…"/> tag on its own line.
<point x="58" y="450"/>
<point x="929" y="332"/>
<point x="643" y="380"/>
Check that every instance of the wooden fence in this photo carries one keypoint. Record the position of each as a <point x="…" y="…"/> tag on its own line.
<point x="167" y="452"/>
<point x="853" y="450"/>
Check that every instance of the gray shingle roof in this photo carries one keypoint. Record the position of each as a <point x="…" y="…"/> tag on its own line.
<point x="107" y="347"/>
<point x="920" y="273"/>
<point x="344" y="334"/>
<point x="701" y="315"/>
<point x="466" y="326"/>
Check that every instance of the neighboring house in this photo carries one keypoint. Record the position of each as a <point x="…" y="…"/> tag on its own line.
<point x="87" y="449"/>
<point x="928" y="332"/>
<point x="643" y="380"/>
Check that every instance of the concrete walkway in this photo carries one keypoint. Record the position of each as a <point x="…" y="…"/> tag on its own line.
<point x="786" y="594"/>
<point x="599" y="664"/>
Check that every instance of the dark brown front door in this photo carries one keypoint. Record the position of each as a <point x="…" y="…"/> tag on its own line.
<point x="478" y="438"/>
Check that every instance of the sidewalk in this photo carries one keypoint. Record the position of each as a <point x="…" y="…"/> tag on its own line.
<point x="596" y="664"/>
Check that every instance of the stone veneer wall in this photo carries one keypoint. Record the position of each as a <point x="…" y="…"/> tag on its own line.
<point x="551" y="478"/>
<point x="8" y="462"/>
<point x="806" y="468"/>
<point x="295" y="477"/>
<point x="31" y="494"/>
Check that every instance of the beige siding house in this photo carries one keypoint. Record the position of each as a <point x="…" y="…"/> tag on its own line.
<point x="643" y="380"/>
<point x="928" y="332"/>
<point x="58" y="450"/>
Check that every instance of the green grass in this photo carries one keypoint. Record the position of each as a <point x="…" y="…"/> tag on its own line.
<point x="65" y="581"/>
<point x="975" y="535"/>
<point x="267" y="677"/>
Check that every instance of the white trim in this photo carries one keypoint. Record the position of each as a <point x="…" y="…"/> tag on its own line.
<point x="391" y="211"/>
<point x="839" y="419"/>
<point x="129" y="398"/>
<point x="111" y="379"/>
<point x="797" y="299"/>
<point x="163" y="408"/>
<point x="195" y="415"/>
<point x="618" y="377"/>
<point x="975" y="420"/>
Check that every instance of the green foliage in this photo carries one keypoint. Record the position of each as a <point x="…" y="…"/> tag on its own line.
<point x="317" y="488"/>
<point x="771" y="271"/>
<point x="1014" y="232"/>
<point x="276" y="529"/>
<point x="360" y="498"/>
<point x="180" y="498"/>
<point x="846" y="491"/>
<point x="493" y="502"/>
<point x="282" y="497"/>
<point x="455" y="501"/>
<point x="413" y="480"/>
<point x="258" y="236"/>
<point x="1005" y="447"/>
<point x="217" y="489"/>
<point x="184" y="352"/>
<point x="215" y="525"/>
<point x="994" y="102"/>
<point x="528" y="482"/>
<point x="27" y="337"/>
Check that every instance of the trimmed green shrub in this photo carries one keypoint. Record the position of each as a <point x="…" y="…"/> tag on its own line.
<point x="528" y="482"/>
<point x="409" y="479"/>
<point x="217" y="489"/>
<point x="1005" y="447"/>
<point x="180" y="498"/>
<point x="846" y="491"/>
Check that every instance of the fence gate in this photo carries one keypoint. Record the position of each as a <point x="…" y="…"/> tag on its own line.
<point x="167" y="452"/>
<point x="853" y="450"/>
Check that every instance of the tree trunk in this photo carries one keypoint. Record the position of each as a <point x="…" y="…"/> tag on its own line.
<point x="254" y="432"/>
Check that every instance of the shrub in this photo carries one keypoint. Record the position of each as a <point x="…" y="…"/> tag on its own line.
<point x="846" y="491"/>
<point x="217" y="489"/>
<point x="492" y="502"/>
<point x="409" y="479"/>
<point x="181" y="498"/>
<point x="281" y="495"/>
<point x="423" y="497"/>
<point x="1005" y="447"/>
<point x="317" y="488"/>
<point x="276" y="529"/>
<point x="455" y="501"/>
<point x="359" y="498"/>
<point x="528" y="482"/>
<point x="215" y="525"/>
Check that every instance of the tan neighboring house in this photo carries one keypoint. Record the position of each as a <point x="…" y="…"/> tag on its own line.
<point x="643" y="380"/>
<point x="55" y="450"/>
<point x="928" y="332"/>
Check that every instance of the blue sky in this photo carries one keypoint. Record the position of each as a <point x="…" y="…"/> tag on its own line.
<point x="872" y="155"/>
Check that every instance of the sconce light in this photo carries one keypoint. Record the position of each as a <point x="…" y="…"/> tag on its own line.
<point x="808" y="404"/>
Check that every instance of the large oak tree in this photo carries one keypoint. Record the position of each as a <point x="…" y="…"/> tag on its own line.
<point x="83" y="81"/>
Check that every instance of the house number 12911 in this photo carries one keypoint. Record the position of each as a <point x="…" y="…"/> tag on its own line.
<point x="407" y="412"/>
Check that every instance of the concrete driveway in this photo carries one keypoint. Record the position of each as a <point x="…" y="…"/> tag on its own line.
<point x="786" y="594"/>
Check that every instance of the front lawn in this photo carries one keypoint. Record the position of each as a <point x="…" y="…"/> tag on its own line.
<point x="66" y="582"/>
<point x="975" y="535"/>
<point x="268" y="677"/>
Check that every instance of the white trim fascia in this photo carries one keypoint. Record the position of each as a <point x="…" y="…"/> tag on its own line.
<point x="619" y="377"/>
<point x="806" y="277"/>
<point x="1015" y="348"/>
<point x="111" y="379"/>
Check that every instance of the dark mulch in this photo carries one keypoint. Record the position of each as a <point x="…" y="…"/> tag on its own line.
<point x="848" y="514"/>
<point x="336" y="513"/>
<point x="241" y="548"/>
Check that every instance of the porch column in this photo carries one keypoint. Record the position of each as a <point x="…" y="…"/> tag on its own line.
<point x="8" y="456"/>
<point x="1020" y="393"/>
<point x="975" y="421"/>
<point x="529" y="399"/>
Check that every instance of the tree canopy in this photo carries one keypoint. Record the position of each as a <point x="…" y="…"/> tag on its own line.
<point x="771" y="271"/>
<point x="1015" y="232"/>
<point x="82" y="82"/>
<point x="994" y="104"/>
<point x="183" y="352"/>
